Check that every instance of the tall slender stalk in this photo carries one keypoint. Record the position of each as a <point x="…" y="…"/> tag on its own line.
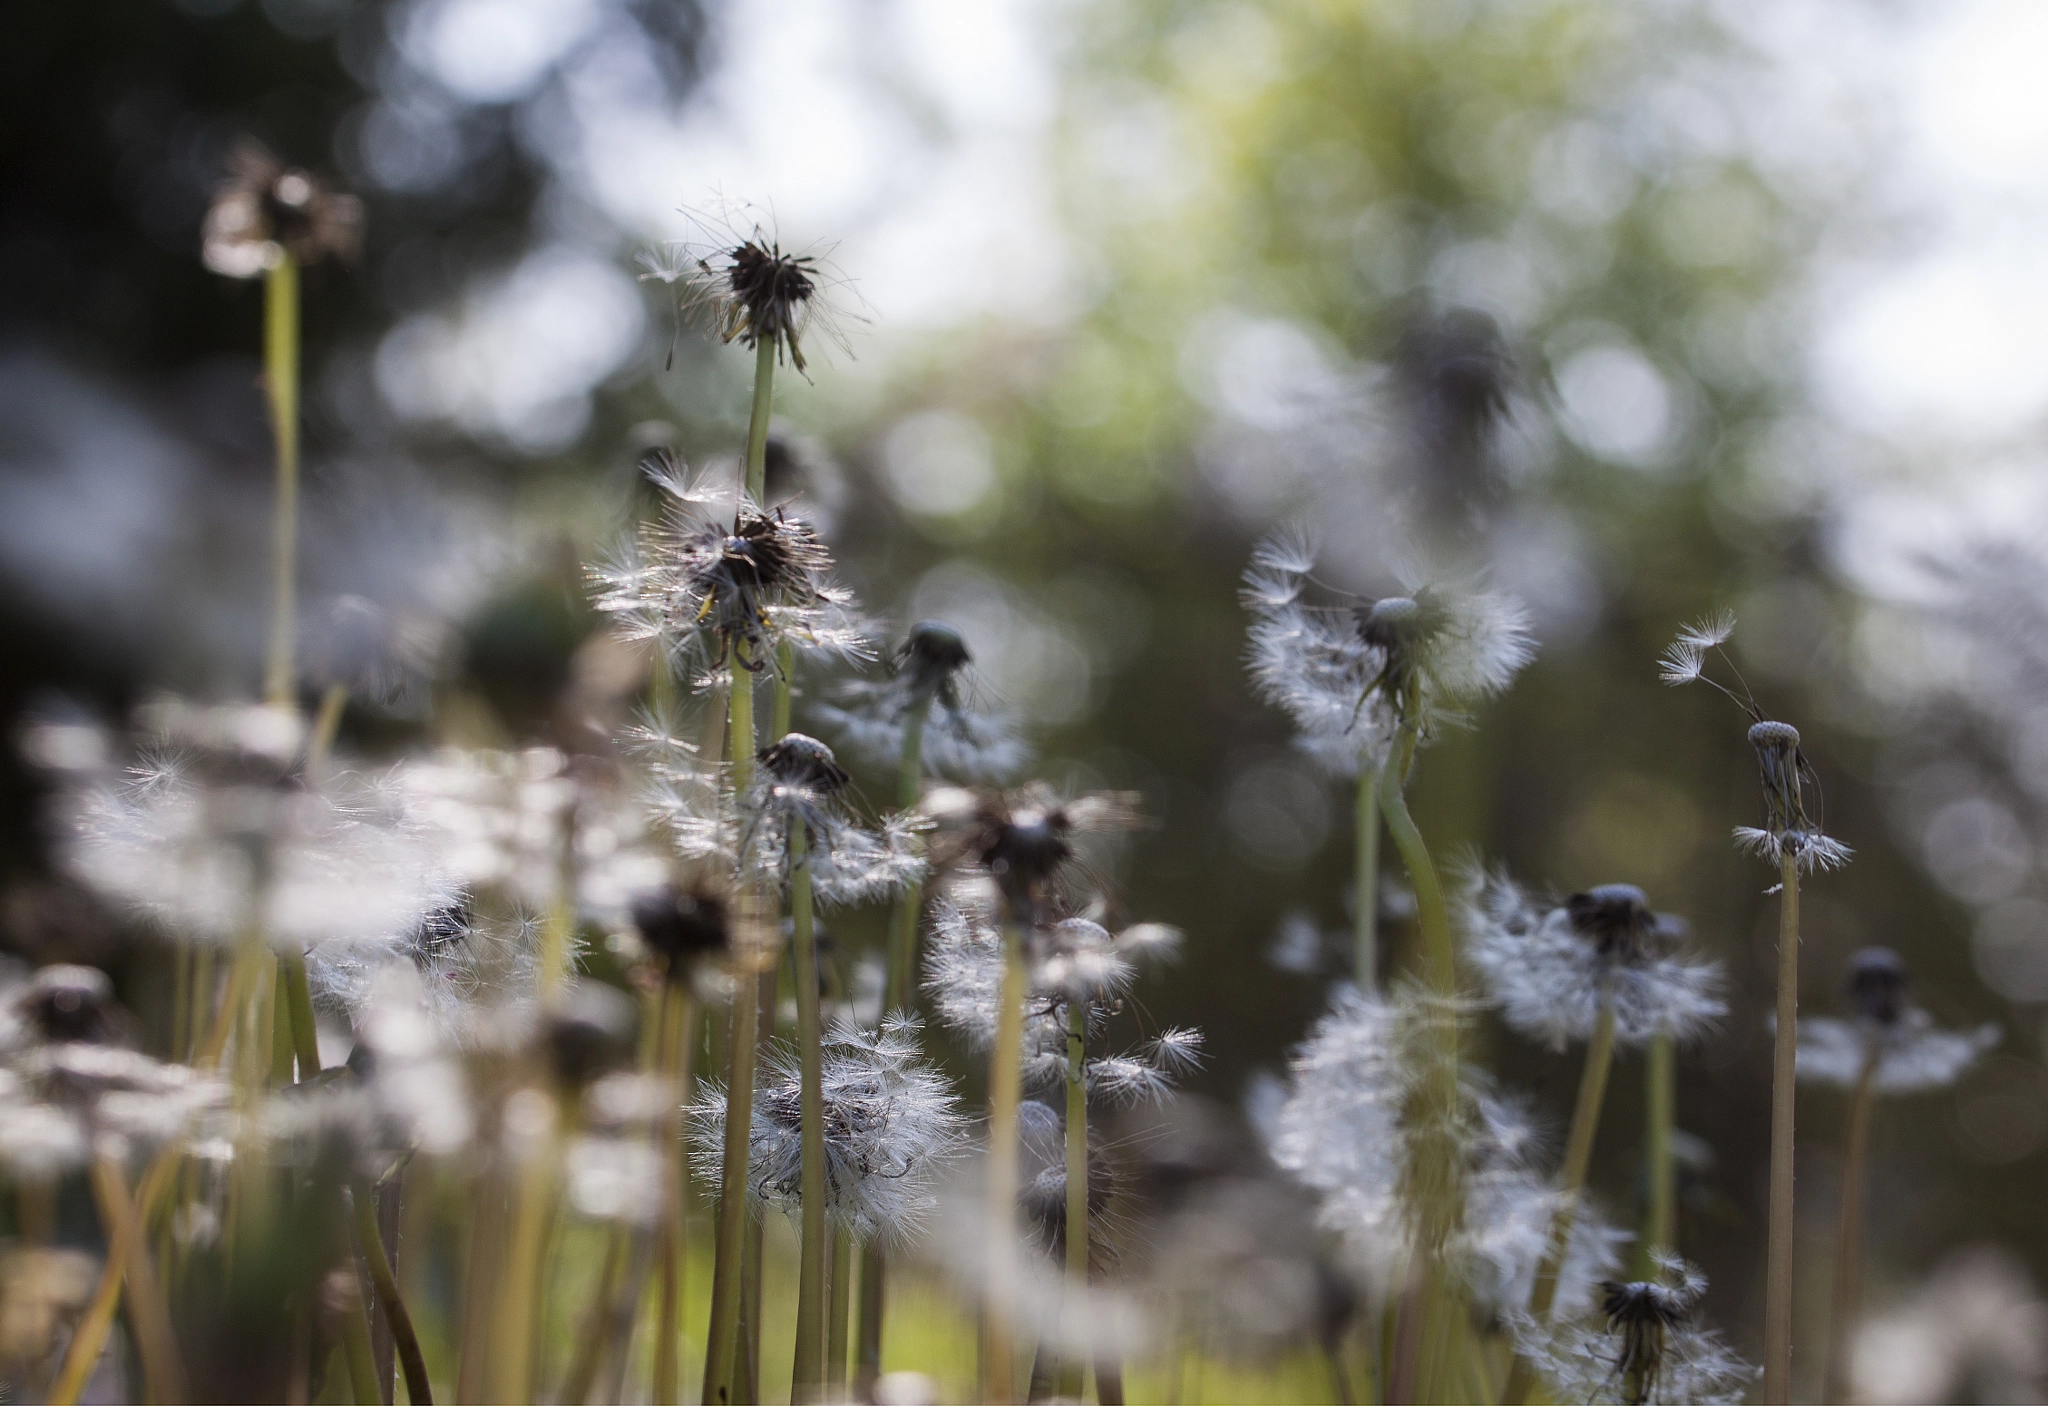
<point x="148" y="1314"/>
<point x="674" y="1042"/>
<point x="281" y="381"/>
<point x="1849" y="1233"/>
<point x="370" y="1240"/>
<point x="840" y="1310"/>
<point x="1367" y="878"/>
<point x="1660" y="1229"/>
<point x="808" y="1380"/>
<point x="1434" y="1171"/>
<point x="721" y="1353"/>
<point x="511" y="1374"/>
<point x="1578" y="1156"/>
<point x="1073" y="1364"/>
<point x="757" y="420"/>
<point x="1005" y="1094"/>
<point x="897" y="987"/>
<point x="1784" y="1070"/>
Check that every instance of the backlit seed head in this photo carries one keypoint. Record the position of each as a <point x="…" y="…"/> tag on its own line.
<point x="932" y="655"/>
<point x="797" y="760"/>
<point x="1877" y="983"/>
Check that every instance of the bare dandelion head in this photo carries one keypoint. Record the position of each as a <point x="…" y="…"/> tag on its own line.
<point x="960" y="736"/>
<point x="266" y="211"/>
<point x="1642" y="1347"/>
<point x="1554" y="967"/>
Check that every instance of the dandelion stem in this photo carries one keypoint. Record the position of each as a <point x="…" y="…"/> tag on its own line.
<point x="898" y="983"/>
<point x="1071" y="1382"/>
<point x="519" y="1296"/>
<point x="298" y="992"/>
<point x="326" y="727"/>
<point x="757" y="422"/>
<point x="722" y="1339"/>
<point x="281" y="380"/>
<point x="89" y="1338"/>
<point x="1578" y="1156"/>
<point x="1368" y="878"/>
<point x="1784" y="1070"/>
<point x="1849" y="1233"/>
<point x="1005" y="1093"/>
<point x="1660" y="1232"/>
<point x="370" y="1241"/>
<point x="676" y="1031"/>
<point x="148" y="1315"/>
<point x="809" y="1377"/>
<point x="842" y="1305"/>
<point x="1431" y="915"/>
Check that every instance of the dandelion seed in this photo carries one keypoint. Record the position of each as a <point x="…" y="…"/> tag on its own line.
<point x="1552" y="967"/>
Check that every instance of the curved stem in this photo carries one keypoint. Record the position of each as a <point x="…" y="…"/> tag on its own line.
<point x="1440" y="962"/>
<point x="1784" y="1069"/>
<point x="371" y="1242"/>
<point x="1367" y="864"/>
<point x="757" y="421"/>
<point x="281" y="380"/>
<point x="1005" y="1094"/>
<point x="809" y="1377"/>
<point x="1849" y="1234"/>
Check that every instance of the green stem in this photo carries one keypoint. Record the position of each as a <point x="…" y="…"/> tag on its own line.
<point x="1660" y="1232"/>
<point x="897" y="995"/>
<point x="809" y="1377"/>
<point x="371" y="1242"/>
<point x="842" y="1304"/>
<point x="1784" y="1069"/>
<point x="721" y="1354"/>
<point x="785" y="672"/>
<point x="1849" y="1233"/>
<point x="281" y="380"/>
<point x="326" y="726"/>
<point x="298" y="994"/>
<point x="1431" y="914"/>
<point x="519" y="1293"/>
<point x="1005" y="1094"/>
<point x="757" y="421"/>
<point x="1367" y="864"/>
<point x="675" y="1025"/>
<point x="1071" y="1383"/>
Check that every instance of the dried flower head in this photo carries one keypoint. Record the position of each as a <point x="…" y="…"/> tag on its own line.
<point x="892" y="1122"/>
<point x="797" y="781"/>
<point x="1025" y="841"/>
<point x="928" y="684"/>
<point x="1787" y="775"/>
<point x="1553" y="967"/>
<point x="1643" y="1348"/>
<point x="1042" y="1192"/>
<point x="70" y="1003"/>
<point x="723" y="592"/>
<point x="373" y="653"/>
<point x="1075" y="960"/>
<point x="742" y="284"/>
<point x="587" y="1033"/>
<point x="266" y="212"/>
<point x="1351" y="672"/>
<point x="1890" y="1036"/>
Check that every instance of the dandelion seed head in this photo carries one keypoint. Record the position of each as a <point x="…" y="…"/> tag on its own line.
<point x="1553" y="967"/>
<point x="1642" y="1347"/>
<point x="588" y="1032"/>
<point x="266" y="212"/>
<point x="1912" y="1054"/>
<point x="1877" y="984"/>
<point x="680" y="924"/>
<point x="892" y="1123"/>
